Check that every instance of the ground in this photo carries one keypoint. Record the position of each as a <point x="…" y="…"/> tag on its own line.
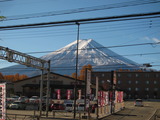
<point x="129" y="113"/>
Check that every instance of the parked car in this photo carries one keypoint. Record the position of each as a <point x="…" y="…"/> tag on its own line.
<point x="80" y="107"/>
<point x="8" y="102"/>
<point x="14" y="98"/>
<point x="57" y="106"/>
<point x="23" y="99"/>
<point x="17" y="105"/>
<point x="138" y="102"/>
<point x="32" y="106"/>
<point x="93" y="107"/>
<point x="69" y="107"/>
<point x="34" y="99"/>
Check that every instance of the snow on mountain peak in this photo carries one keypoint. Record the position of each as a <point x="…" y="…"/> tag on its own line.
<point x="89" y="52"/>
<point x="63" y="61"/>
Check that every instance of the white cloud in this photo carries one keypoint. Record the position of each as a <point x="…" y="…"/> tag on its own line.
<point x="156" y="40"/>
<point x="152" y="39"/>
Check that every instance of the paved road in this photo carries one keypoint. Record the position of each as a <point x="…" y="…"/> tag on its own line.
<point x="135" y="113"/>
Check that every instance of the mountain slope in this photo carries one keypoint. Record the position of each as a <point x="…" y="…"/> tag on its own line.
<point x="90" y="52"/>
<point x="63" y="61"/>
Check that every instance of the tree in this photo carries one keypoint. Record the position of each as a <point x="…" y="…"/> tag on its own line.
<point x="2" y="18"/>
<point x="83" y="71"/>
<point x="1" y="76"/>
<point x="15" y="77"/>
<point x="73" y="75"/>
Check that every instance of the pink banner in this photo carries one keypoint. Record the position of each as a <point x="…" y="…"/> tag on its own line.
<point x="58" y="94"/>
<point x="68" y="94"/>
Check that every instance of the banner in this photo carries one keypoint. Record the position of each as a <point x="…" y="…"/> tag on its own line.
<point x="68" y="94"/>
<point x="79" y="94"/>
<point x="2" y="101"/>
<point x="107" y="98"/>
<point x="120" y="96"/>
<point x="58" y="94"/>
<point x="114" y="78"/>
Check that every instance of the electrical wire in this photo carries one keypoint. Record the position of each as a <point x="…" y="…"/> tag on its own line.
<point x="86" y="30"/>
<point x="80" y="10"/>
<point x="5" y="0"/>
<point x="131" y="45"/>
<point x="84" y="21"/>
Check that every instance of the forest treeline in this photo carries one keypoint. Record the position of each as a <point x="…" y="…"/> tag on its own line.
<point x="13" y="78"/>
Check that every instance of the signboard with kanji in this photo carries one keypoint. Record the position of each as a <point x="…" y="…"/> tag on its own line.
<point x="2" y="101"/>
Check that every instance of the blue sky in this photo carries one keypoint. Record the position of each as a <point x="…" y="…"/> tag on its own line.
<point x="107" y="34"/>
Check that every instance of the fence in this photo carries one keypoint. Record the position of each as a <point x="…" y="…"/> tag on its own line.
<point x="34" y="114"/>
<point x="156" y="115"/>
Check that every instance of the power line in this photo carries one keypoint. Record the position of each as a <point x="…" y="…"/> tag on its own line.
<point x="129" y="45"/>
<point x="5" y="0"/>
<point x="86" y="30"/>
<point x="140" y="54"/>
<point x="84" y="21"/>
<point x="80" y="10"/>
<point x="79" y="67"/>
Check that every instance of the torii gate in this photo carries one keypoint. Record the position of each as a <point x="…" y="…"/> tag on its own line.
<point x="29" y="61"/>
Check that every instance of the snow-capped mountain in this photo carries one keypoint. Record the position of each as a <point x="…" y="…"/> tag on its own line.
<point x="63" y="61"/>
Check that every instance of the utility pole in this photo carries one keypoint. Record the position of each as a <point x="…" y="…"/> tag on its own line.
<point x="97" y="87"/>
<point x="41" y="93"/>
<point x="75" y="85"/>
<point x="111" y="92"/>
<point x="48" y="89"/>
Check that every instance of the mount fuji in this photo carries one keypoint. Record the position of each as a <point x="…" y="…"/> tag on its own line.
<point x="63" y="61"/>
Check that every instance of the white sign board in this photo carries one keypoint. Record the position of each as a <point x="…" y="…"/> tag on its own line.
<point x="2" y="101"/>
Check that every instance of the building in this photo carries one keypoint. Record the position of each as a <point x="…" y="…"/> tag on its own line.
<point x="135" y="84"/>
<point x="31" y="86"/>
<point x="9" y="87"/>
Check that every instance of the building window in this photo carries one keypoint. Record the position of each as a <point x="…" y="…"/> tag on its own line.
<point x="147" y="89"/>
<point x="119" y="82"/>
<point x="147" y="75"/>
<point x="147" y="82"/>
<point x="155" y="82"/>
<point x="129" y="81"/>
<point x="119" y="75"/>
<point x="157" y="75"/>
<point x="129" y="95"/>
<point x="137" y="75"/>
<point x="102" y="75"/>
<point x="136" y="89"/>
<point x="136" y="82"/>
<point x="155" y="89"/>
<point x="147" y="96"/>
<point x="129" y="89"/>
<point x="129" y="75"/>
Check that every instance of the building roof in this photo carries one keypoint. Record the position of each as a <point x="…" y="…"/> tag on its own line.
<point x="50" y="73"/>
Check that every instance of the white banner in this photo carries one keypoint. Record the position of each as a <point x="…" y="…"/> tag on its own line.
<point x="3" y="101"/>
